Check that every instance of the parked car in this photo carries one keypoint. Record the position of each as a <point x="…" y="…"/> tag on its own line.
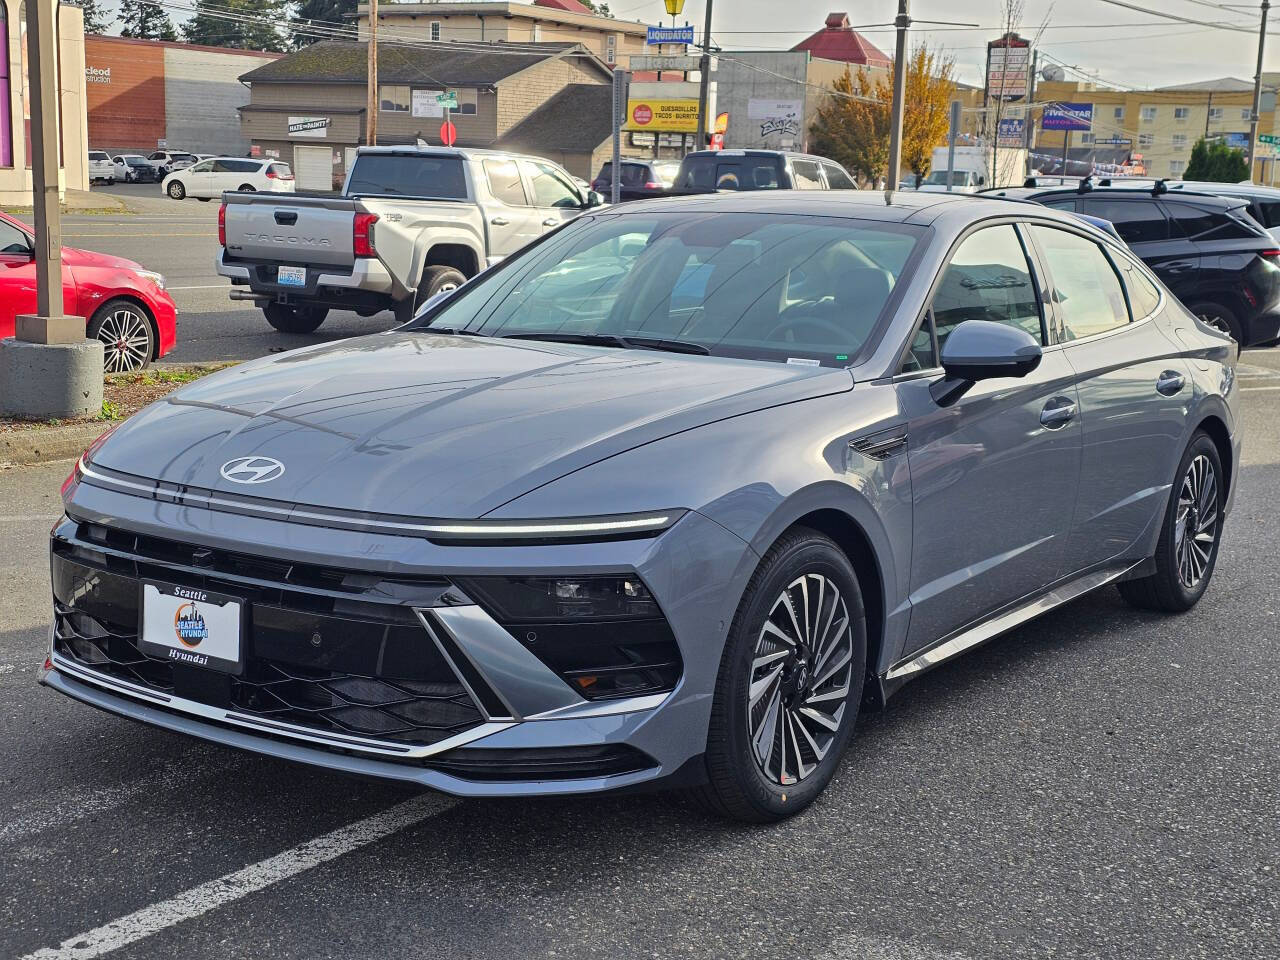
<point x="134" y="168"/>
<point x="1215" y="258"/>
<point x="166" y="161"/>
<point x="706" y="170"/>
<point x="412" y="222"/>
<point x="656" y="501"/>
<point x="640" y="178"/>
<point x="126" y="305"/>
<point x="100" y="167"/>
<point x="1264" y="202"/>
<point x="209" y="179"/>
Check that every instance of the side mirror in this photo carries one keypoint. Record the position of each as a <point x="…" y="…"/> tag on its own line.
<point x="594" y="199"/>
<point x="982" y="350"/>
<point x="981" y="180"/>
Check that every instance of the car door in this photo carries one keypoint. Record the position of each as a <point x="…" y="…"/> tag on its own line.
<point x="555" y="196"/>
<point x="1132" y="387"/>
<point x="18" y="279"/>
<point x="199" y="179"/>
<point x="993" y="475"/>
<point x="1143" y="224"/>
<point x="512" y="222"/>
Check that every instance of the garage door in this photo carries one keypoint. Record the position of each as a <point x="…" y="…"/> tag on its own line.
<point x="313" y="168"/>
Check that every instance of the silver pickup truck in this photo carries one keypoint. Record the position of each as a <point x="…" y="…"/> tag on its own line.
<point x="411" y="222"/>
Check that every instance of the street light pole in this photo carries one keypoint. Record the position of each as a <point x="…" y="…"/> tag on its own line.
<point x="902" y="22"/>
<point x="371" y="108"/>
<point x="704" y="83"/>
<point x="1257" y="89"/>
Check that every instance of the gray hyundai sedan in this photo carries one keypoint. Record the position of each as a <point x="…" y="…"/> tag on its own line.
<point x="660" y="500"/>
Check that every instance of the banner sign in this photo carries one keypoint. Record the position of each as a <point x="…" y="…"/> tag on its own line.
<point x="656" y="35"/>
<point x="315" y="128"/>
<point x="662" y="115"/>
<point x="1008" y="67"/>
<point x="1012" y="132"/>
<point x="1068" y="116"/>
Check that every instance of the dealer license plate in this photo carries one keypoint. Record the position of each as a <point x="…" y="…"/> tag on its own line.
<point x="292" y="276"/>
<point x="187" y="625"/>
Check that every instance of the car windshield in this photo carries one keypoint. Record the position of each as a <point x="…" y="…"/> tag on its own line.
<point x="729" y="173"/>
<point x="136" y="162"/>
<point x="784" y="288"/>
<point x="938" y="178"/>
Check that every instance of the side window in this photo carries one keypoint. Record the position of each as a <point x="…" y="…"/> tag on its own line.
<point x="1270" y="212"/>
<point x="1189" y="221"/>
<point x="13" y="241"/>
<point x="156" y="156"/>
<point x="988" y="278"/>
<point x="805" y="174"/>
<point x="1060" y="203"/>
<point x="223" y="166"/>
<point x="920" y="354"/>
<point x="1144" y="297"/>
<point x="204" y="166"/>
<point x="1137" y="221"/>
<point x="550" y="188"/>
<point x="1086" y="287"/>
<point x="837" y="179"/>
<point x="504" y="182"/>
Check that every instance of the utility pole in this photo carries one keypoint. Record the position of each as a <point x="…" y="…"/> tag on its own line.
<point x="704" y="84"/>
<point x="1207" y="114"/>
<point x="50" y="369"/>
<point x="1257" y="89"/>
<point x="1028" y="127"/>
<point x="902" y="22"/>
<point x="371" y="109"/>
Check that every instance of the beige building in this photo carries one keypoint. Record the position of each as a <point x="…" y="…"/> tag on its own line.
<point x="15" y="103"/>
<point x="1163" y="124"/>
<point x="548" y="21"/>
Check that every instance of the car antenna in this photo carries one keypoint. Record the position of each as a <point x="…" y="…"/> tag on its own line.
<point x="1029" y="182"/>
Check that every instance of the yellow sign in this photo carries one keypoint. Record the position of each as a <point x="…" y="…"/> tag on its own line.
<point x="674" y="7"/>
<point x="662" y="116"/>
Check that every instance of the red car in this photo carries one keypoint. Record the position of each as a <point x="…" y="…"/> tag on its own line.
<point x="126" y="306"/>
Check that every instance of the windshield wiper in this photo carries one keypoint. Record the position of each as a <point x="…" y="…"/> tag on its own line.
<point x="613" y="340"/>
<point x="449" y="331"/>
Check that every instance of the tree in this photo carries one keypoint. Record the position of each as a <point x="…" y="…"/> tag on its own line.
<point x="242" y="24"/>
<point x="852" y="126"/>
<point x="144" y="20"/>
<point x="598" y="8"/>
<point x="322" y="15"/>
<point x="96" y="19"/>
<point x="1215" y="162"/>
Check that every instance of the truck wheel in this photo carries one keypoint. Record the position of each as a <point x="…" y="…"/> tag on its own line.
<point x="289" y="319"/>
<point x="437" y="279"/>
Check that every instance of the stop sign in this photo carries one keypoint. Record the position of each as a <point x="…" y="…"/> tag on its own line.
<point x="448" y="133"/>
<point x="642" y="114"/>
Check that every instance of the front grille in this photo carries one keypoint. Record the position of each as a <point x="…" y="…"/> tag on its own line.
<point x="319" y="650"/>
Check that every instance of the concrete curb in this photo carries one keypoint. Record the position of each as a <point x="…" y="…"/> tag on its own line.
<point x="21" y="448"/>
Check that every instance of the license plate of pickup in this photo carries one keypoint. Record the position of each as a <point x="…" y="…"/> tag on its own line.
<point x="192" y="626"/>
<point x="292" y="276"/>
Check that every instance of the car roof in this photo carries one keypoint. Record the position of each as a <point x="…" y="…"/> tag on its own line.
<point x="1225" y="189"/>
<point x="758" y="153"/>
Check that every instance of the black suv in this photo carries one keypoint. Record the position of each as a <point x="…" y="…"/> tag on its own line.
<point x="1209" y="252"/>
<point x="706" y="170"/>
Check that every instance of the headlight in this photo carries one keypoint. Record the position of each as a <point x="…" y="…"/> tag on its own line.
<point x="565" y="530"/>
<point x="156" y="278"/>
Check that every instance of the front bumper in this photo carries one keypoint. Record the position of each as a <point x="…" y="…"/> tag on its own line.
<point x="633" y="740"/>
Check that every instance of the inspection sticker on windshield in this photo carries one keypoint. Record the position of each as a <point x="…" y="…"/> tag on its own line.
<point x="804" y="362"/>
<point x="189" y="625"/>
<point x="292" y="276"/>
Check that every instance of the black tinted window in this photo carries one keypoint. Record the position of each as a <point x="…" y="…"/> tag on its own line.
<point x="728" y="173"/>
<point x="989" y="279"/>
<point x="1192" y="221"/>
<point x="400" y="175"/>
<point x="1060" y="203"/>
<point x="1137" y="220"/>
<point x="1268" y="212"/>
<point x="837" y="179"/>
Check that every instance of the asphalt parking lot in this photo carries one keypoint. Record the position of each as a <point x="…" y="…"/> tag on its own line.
<point x="180" y="239"/>
<point x="1101" y="783"/>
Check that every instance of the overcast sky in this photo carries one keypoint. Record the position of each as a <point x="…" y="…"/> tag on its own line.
<point x="1129" y="48"/>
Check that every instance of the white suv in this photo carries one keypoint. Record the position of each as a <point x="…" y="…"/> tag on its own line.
<point x="166" y="161"/>
<point x="211" y="178"/>
<point x="101" y="167"/>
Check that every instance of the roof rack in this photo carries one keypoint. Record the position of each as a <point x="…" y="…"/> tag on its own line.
<point x="1085" y="185"/>
<point x="1160" y="187"/>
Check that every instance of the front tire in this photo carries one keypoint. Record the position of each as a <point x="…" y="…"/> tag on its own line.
<point x="128" y="340"/>
<point x="177" y="191"/>
<point x="790" y="683"/>
<point x="1190" y="534"/>
<point x="290" y="319"/>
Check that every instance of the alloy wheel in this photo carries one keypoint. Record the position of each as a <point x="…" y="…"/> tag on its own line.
<point x="1218" y="323"/>
<point x="800" y="676"/>
<point x="1196" y="525"/>
<point x="126" y="338"/>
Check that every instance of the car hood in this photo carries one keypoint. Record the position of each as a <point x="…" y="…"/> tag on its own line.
<point x="428" y="425"/>
<point x="75" y="257"/>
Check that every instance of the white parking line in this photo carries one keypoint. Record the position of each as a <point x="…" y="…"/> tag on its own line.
<point x="1255" y="389"/>
<point x="862" y="946"/>
<point x="203" y="286"/>
<point x="234" y="886"/>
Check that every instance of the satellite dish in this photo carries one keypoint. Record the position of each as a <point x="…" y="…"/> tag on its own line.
<point x="1053" y="74"/>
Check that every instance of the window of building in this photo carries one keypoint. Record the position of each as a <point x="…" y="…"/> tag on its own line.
<point x="1086" y="287"/>
<point x="1246" y="113"/>
<point x="988" y="278"/>
<point x="435" y="30"/>
<point x="1180" y="114"/>
<point x="1118" y="113"/>
<point x="1148" y="114"/>
<point x="1086" y="138"/>
<point x="1176" y="167"/>
<point x="468" y="100"/>
<point x="1146" y="139"/>
<point x="393" y="98"/>
<point x="1179" y="141"/>
<point x="537" y="32"/>
<point x="504" y="182"/>
<point x="1215" y="113"/>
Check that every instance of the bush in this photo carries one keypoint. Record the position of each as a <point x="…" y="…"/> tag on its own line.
<point x="1215" y="162"/>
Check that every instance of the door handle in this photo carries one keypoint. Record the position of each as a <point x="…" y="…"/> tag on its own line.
<point x="1169" y="383"/>
<point x="500" y="222"/>
<point x="550" y="222"/>
<point x="1058" y="412"/>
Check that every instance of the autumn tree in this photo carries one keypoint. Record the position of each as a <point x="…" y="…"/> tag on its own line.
<point x="852" y="126"/>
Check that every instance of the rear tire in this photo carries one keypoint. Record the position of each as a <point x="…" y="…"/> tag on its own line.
<point x="1184" y="566"/>
<point x="246" y="188"/>
<point x="788" y="690"/>
<point x="436" y="279"/>
<point x="177" y="191"/>
<point x="290" y="319"/>
<point x="1220" y="318"/>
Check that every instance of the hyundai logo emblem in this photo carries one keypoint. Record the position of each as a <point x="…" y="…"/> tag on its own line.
<point x="252" y="469"/>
